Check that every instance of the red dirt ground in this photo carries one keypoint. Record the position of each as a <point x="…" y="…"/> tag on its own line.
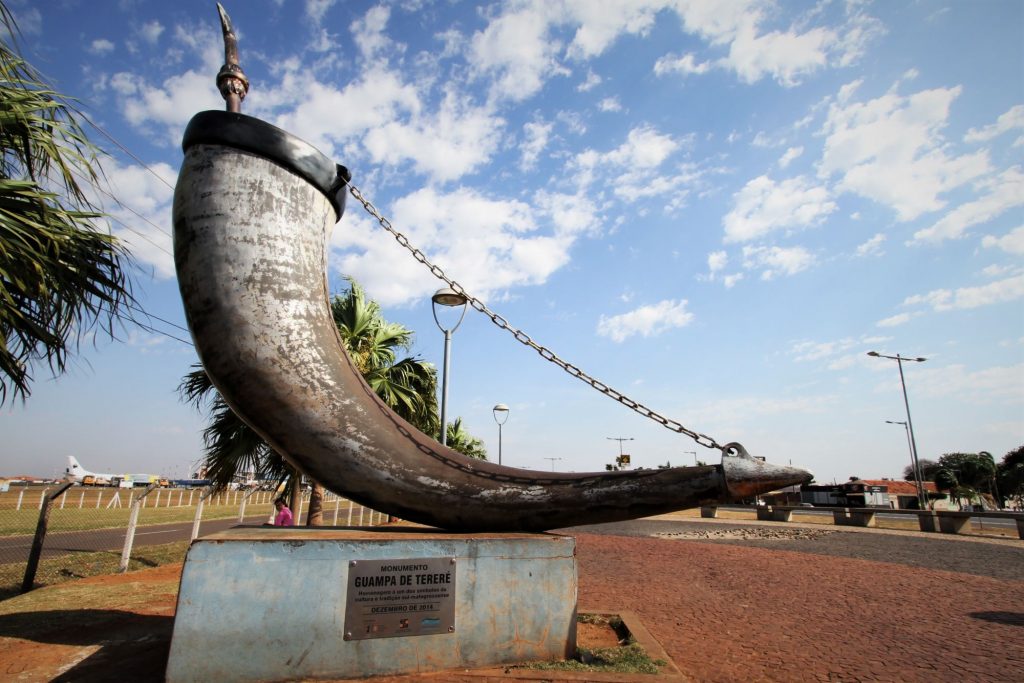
<point x="722" y="612"/>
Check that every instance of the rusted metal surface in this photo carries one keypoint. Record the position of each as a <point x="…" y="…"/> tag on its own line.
<point x="250" y="240"/>
<point x="231" y="80"/>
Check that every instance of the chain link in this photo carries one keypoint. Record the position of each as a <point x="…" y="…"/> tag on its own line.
<point x="523" y="338"/>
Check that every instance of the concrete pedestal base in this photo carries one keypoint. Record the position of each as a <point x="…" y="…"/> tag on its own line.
<point x="266" y="604"/>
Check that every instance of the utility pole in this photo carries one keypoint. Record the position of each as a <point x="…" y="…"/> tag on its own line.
<point x="552" y="462"/>
<point x="623" y="459"/>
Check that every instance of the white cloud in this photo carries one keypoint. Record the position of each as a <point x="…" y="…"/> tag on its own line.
<point x="445" y="145"/>
<point x="592" y="81"/>
<point x="646" y="321"/>
<point x="317" y="9"/>
<point x="729" y="281"/>
<point x="601" y="23"/>
<point x="686" y="64"/>
<point x="488" y="245"/>
<point x="791" y="154"/>
<point x="1000" y="291"/>
<point x="368" y="31"/>
<point x="516" y="51"/>
<point x="635" y="166"/>
<point x="773" y="261"/>
<point x="895" y="320"/>
<point x="998" y="383"/>
<point x="101" y="46"/>
<point x="535" y="136"/>
<point x="717" y="260"/>
<point x="143" y="222"/>
<point x="170" y="105"/>
<point x="1011" y="243"/>
<point x="609" y="104"/>
<point x="151" y="32"/>
<point x="1001" y="194"/>
<point x="764" y="206"/>
<point x="786" y="55"/>
<point x="1011" y="120"/>
<point x="873" y="247"/>
<point x="890" y="150"/>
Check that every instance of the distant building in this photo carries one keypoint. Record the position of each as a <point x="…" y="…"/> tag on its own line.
<point x="877" y="493"/>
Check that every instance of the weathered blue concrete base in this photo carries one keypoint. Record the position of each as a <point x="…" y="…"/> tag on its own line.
<point x="268" y="604"/>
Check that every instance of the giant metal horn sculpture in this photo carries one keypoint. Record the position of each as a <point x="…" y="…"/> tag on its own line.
<point x="253" y="208"/>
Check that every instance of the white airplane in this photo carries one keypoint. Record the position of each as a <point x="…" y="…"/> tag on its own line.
<point x="74" y="472"/>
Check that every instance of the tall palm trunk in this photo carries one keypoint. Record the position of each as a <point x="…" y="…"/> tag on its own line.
<point x="315" y="516"/>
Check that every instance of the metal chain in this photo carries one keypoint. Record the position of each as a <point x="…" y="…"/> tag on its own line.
<point x="523" y="338"/>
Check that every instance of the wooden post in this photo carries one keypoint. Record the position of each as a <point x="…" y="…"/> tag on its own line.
<point x="199" y="513"/>
<point x="37" y="542"/>
<point x="133" y="519"/>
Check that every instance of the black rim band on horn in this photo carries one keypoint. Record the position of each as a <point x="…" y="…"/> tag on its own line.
<point x="259" y="137"/>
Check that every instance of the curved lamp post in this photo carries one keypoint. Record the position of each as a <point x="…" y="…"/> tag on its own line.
<point x="500" y="415"/>
<point x="921" y="501"/>
<point x="446" y="297"/>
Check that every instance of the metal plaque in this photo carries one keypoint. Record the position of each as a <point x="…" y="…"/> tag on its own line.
<point x="394" y="598"/>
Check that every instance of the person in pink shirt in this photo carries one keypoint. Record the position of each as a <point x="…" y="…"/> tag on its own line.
<point x="284" y="515"/>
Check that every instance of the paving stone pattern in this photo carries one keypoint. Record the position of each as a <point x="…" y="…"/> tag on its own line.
<point x="749" y="611"/>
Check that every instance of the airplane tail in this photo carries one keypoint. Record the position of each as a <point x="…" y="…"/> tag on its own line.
<point x="73" y="466"/>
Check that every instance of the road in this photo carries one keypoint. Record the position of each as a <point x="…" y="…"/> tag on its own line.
<point x="16" y="548"/>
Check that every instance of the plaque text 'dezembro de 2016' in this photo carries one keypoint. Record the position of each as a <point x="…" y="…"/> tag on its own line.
<point x="392" y="598"/>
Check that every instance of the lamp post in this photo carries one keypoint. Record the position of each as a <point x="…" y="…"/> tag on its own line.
<point x="913" y="462"/>
<point x="500" y="415"/>
<point x="921" y="501"/>
<point x="693" y="453"/>
<point x="446" y="297"/>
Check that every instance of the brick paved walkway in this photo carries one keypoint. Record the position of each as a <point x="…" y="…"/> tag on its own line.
<point x="786" y="608"/>
<point x="727" y="612"/>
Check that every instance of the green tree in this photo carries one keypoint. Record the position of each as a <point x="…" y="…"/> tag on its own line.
<point x="460" y="440"/>
<point x="945" y="480"/>
<point x="1010" y="476"/>
<point x="408" y="385"/>
<point x="60" y="277"/>
<point x="928" y="470"/>
<point x="973" y="472"/>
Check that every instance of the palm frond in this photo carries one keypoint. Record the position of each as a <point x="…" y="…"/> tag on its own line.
<point x="60" y="277"/>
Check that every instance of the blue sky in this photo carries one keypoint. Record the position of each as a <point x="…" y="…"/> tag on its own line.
<point x="716" y="208"/>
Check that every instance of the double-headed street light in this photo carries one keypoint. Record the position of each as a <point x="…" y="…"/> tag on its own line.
<point x="921" y="500"/>
<point x="447" y="296"/>
<point x="500" y="415"/>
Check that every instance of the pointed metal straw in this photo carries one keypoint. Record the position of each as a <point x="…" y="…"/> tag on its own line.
<point x="231" y="81"/>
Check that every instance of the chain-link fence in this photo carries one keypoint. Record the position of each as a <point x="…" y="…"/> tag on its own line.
<point x="91" y="530"/>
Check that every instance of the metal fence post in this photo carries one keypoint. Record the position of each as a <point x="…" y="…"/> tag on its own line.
<point x="37" y="542"/>
<point x="129" y="537"/>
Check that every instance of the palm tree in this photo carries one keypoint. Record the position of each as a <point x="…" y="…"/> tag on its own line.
<point x="464" y="442"/>
<point x="408" y="385"/>
<point x="59" y="276"/>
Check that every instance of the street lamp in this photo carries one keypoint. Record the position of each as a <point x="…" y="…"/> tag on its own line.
<point x="693" y="453"/>
<point x="500" y="415"/>
<point x="913" y="462"/>
<point x="921" y="501"/>
<point x="447" y="296"/>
